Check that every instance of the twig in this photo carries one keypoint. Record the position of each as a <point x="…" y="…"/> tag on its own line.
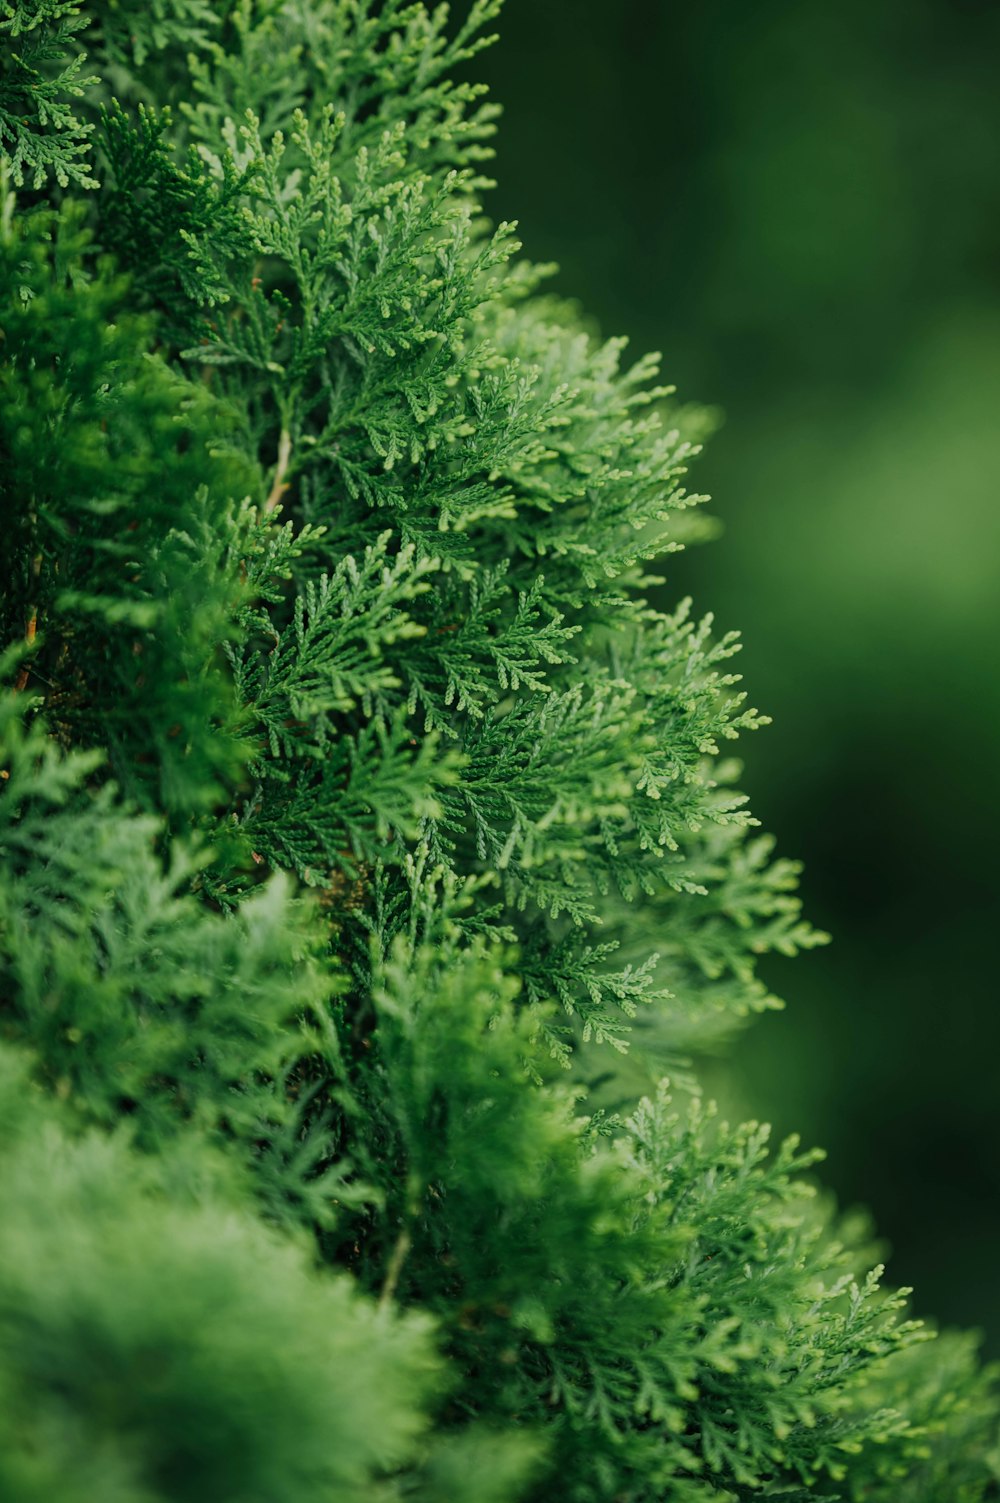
<point x="403" y="1244"/>
<point x="32" y="623"/>
<point x="284" y="455"/>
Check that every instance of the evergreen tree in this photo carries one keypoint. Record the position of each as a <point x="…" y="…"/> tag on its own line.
<point x="359" y="811"/>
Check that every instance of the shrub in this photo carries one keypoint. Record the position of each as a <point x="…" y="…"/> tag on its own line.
<point x="359" y="812"/>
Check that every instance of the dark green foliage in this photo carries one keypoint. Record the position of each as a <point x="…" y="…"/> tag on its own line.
<point x="674" y="1300"/>
<point x="112" y="472"/>
<point x="141" y="1002"/>
<point x="327" y="546"/>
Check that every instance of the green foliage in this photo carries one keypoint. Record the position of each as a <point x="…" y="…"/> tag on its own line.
<point x="118" y="570"/>
<point x="673" y="1307"/>
<point x="137" y="999"/>
<point x="327" y="543"/>
<point x="130" y="32"/>
<point x="148" y="1327"/>
<point x="41" y="77"/>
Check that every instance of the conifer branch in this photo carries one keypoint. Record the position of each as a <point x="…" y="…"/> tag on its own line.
<point x="358" y="824"/>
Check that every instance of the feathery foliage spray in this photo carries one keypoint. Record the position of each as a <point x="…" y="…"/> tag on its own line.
<point x="358" y="808"/>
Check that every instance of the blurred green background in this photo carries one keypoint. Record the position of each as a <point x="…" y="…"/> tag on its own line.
<point x="799" y="204"/>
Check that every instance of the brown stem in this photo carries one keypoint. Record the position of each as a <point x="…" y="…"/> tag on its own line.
<point x="29" y="636"/>
<point x="279" y="487"/>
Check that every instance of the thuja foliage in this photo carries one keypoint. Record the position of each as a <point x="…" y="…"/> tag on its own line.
<point x="360" y="808"/>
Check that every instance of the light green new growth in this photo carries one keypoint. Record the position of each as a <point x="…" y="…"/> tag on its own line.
<point x="358" y="792"/>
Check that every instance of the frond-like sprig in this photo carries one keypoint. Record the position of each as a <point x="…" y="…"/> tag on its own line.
<point x="329" y="815"/>
<point x="360" y="811"/>
<point x="121" y="559"/>
<point x="384" y="67"/>
<point x="135" y="998"/>
<point x="42" y="80"/>
<point x="335" y="653"/>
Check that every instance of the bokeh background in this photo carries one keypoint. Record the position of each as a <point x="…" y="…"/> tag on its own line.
<point x="799" y="204"/>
